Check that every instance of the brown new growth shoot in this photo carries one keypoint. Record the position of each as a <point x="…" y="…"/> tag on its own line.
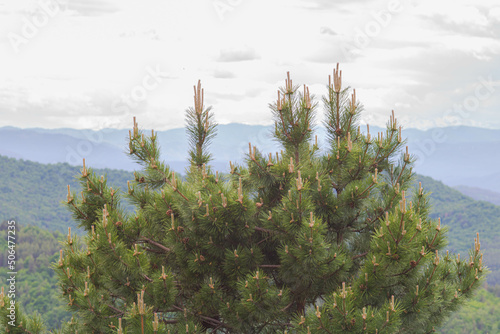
<point x="198" y="98"/>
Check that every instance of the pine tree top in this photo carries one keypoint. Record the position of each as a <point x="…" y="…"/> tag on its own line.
<point x="313" y="239"/>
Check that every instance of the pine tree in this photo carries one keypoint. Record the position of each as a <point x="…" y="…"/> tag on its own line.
<point x="330" y="238"/>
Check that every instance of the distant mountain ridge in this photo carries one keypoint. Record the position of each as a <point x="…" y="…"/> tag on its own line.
<point x="480" y="194"/>
<point x="455" y="155"/>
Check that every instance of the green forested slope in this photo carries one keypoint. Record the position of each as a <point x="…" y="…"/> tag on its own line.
<point x="32" y="193"/>
<point x="480" y="315"/>
<point x="465" y="217"/>
<point x="36" y="283"/>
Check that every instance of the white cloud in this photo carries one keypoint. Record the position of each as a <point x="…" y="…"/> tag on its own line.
<point x="494" y="14"/>
<point x="419" y="60"/>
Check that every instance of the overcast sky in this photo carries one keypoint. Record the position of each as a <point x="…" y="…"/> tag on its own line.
<point x="96" y="63"/>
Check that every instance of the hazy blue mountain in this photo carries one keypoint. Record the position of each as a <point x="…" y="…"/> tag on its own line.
<point x="53" y="146"/>
<point x="454" y="155"/>
<point x="105" y="148"/>
<point x="480" y="194"/>
<point x="458" y="155"/>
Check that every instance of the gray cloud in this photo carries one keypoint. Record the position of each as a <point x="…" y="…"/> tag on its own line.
<point x="429" y="82"/>
<point x="148" y="34"/>
<point x="234" y="55"/>
<point x="254" y="92"/>
<point x="330" y="53"/>
<point x="440" y="67"/>
<point x="249" y="93"/>
<point x="18" y="107"/>
<point x="223" y="74"/>
<point x="92" y="7"/>
<point x="441" y="22"/>
<point x="440" y="83"/>
<point x="327" y="31"/>
<point x="227" y="96"/>
<point x="328" y="4"/>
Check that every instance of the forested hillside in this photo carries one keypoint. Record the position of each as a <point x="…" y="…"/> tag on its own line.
<point x="465" y="217"/>
<point x="480" y="315"/>
<point x="32" y="192"/>
<point x="36" y="286"/>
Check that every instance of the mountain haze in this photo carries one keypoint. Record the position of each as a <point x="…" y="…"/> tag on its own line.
<point x="455" y="155"/>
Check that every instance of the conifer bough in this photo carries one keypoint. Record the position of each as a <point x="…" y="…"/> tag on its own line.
<point x="330" y="239"/>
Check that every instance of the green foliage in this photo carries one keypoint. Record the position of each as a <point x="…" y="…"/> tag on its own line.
<point x="300" y="242"/>
<point x="294" y="116"/>
<point x="201" y="128"/>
